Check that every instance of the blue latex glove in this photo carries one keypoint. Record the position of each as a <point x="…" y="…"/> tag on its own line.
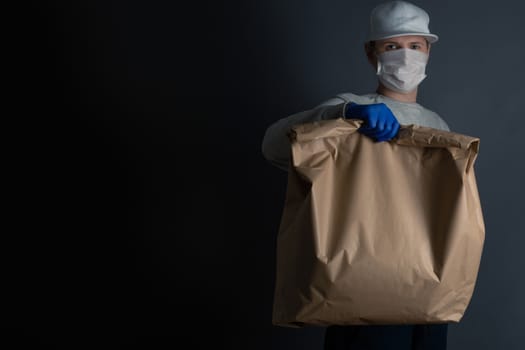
<point x="379" y="122"/>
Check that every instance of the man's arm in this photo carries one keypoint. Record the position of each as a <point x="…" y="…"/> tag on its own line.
<point x="380" y="124"/>
<point x="276" y="144"/>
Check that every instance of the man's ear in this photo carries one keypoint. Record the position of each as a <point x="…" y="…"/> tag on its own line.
<point x="369" y="50"/>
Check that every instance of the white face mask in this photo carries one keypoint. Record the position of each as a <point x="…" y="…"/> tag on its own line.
<point x="401" y="70"/>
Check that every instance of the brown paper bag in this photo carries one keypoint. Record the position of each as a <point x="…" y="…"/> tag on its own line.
<point x="377" y="233"/>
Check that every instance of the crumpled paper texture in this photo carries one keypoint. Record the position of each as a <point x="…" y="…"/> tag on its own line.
<point x="377" y="233"/>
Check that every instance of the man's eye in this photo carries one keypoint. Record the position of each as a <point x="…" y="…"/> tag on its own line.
<point x="416" y="47"/>
<point x="391" y="47"/>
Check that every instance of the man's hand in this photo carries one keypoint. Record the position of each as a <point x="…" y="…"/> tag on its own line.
<point x="379" y="122"/>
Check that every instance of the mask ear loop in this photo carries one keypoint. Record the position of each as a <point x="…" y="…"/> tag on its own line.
<point x="379" y="65"/>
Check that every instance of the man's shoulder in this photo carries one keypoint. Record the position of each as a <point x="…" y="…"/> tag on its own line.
<point x="428" y="111"/>
<point x="435" y="119"/>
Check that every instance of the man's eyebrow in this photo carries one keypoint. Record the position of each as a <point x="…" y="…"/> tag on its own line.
<point x="398" y="42"/>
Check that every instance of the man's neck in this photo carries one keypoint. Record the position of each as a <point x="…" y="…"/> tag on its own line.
<point x="410" y="97"/>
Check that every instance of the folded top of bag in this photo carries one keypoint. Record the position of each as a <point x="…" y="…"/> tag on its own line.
<point x="413" y="135"/>
<point x="409" y="135"/>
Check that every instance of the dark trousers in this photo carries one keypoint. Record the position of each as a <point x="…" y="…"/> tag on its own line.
<point x="402" y="337"/>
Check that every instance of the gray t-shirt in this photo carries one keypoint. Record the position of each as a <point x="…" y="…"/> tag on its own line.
<point x="276" y="144"/>
<point x="406" y="113"/>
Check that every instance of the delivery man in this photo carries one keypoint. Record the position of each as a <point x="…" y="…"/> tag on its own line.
<point x="397" y="47"/>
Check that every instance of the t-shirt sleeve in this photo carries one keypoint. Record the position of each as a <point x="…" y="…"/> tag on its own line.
<point x="441" y="122"/>
<point x="276" y="147"/>
<point x="444" y="125"/>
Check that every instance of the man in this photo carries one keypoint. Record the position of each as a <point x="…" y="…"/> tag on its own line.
<point x="398" y="47"/>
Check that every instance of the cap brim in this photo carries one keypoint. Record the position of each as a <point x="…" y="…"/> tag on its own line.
<point x="432" y="38"/>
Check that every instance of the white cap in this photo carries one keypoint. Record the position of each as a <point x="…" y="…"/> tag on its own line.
<point x="398" y="18"/>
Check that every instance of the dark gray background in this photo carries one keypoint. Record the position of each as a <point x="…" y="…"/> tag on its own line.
<point x="145" y="213"/>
